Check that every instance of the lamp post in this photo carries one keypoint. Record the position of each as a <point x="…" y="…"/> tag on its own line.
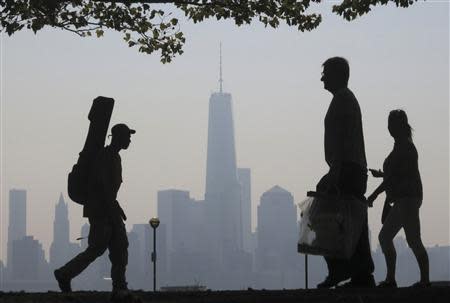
<point x="306" y="271"/>
<point x="154" y="223"/>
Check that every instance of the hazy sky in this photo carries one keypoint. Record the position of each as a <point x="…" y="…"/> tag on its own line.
<point x="399" y="58"/>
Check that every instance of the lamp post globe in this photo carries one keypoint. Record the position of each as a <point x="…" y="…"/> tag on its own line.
<point x="154" y="222"/>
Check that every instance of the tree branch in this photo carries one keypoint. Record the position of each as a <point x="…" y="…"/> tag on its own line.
<point x="136" y="18"/>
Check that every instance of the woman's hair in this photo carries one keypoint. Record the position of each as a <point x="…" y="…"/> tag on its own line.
<point x="399" y="123"/>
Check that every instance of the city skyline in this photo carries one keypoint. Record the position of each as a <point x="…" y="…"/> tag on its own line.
<point x="279" y="104"/>
<point x="276" y="264"/>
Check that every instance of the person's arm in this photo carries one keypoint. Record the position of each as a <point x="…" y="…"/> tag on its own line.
<point x="381" y="188"/>
<point x="376" y="173"/>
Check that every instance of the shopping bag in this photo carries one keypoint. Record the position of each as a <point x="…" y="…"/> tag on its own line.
<point x="330" y="225"/>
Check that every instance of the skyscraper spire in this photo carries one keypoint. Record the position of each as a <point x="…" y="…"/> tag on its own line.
<point x="220" y="72"/>
<point x="61" y="199"/>
<point x="222" y="190"/>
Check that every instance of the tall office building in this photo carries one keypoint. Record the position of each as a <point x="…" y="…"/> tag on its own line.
<point x="2" y="275"/>
<point x="135" y="267"/>
<point x="172" y="209"/>
<point x="59" y="249"/>
<point x="277" y="231"/>
<point x="17" y="228"/>
<point x="222" y="192"/>
<point x="183" y="218"/>
<point x="28" y="259"/>
<point x="244" y="177"/>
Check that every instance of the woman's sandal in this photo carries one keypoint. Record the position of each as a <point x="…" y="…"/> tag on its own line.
<point x="421" y="284"/>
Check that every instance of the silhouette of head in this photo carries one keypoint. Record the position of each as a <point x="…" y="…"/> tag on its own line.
<point x="121" y="135"/>
<point x="336" y="72"/>
<point x="398" y="125"/>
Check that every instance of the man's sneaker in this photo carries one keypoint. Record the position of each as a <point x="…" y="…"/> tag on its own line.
<point x="331" y="281"/>
<point x="124" y="296"/>
<point x="387" y="284"/>
<point x="63" y="282"/>
<point x="367" y="282"/>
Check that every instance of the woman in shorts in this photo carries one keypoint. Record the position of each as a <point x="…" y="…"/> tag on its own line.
<point x="403" y="187"/>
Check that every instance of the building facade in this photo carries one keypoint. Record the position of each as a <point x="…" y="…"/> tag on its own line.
<point x="17" y="228"/>
<point x="244" y="177"/>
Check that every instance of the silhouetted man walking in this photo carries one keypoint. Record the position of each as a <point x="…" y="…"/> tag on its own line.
<point x="346" y="158"/>
<point x="107" y="229"/>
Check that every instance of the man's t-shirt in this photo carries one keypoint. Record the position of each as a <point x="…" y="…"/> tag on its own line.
<point x="104" y="183"/>
<point x="344" y="139"/>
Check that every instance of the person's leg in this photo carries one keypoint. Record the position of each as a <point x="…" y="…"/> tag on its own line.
<point x="353" y="181"/>
<point x="361" y="262"/>
<point x="390" y="228"/>
<point x="99" y="234"/>
<point x="332" y="263"/>
<point x="118" y="254"/>
<point x="337" y="268"/>
<point x="409" y="213"/>
<point x="337" y="272"/>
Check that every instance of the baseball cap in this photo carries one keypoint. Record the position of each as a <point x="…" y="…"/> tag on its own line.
<point x="121" y="128"/>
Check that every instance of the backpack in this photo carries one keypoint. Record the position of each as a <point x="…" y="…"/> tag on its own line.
<point x="78" y="179"/>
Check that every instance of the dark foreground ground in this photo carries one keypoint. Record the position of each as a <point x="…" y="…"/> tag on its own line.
<point x="426" y="295"/>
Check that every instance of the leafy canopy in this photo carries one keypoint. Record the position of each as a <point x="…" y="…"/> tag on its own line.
<point x="150" y="28"/>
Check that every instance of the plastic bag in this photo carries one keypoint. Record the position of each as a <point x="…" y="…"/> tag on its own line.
<point x="331" y="226"/>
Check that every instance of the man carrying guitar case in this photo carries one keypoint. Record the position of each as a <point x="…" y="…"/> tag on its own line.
<point x="94" y="183"/>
